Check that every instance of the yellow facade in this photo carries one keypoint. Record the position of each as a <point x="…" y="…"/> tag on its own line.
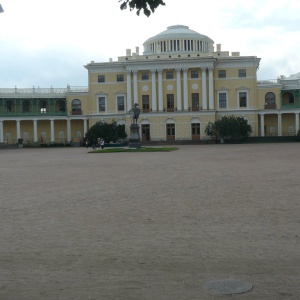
<point x="181" y="82"/>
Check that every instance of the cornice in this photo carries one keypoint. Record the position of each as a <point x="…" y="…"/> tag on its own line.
<point x="166" y="64"/>
<point x="240" y="62"/>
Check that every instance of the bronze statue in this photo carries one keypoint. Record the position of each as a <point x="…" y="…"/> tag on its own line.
<point x="135" y="113"/>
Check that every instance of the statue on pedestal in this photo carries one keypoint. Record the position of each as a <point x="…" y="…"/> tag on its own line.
<point x="134" y="138"/>
<point x="135" y="113"/>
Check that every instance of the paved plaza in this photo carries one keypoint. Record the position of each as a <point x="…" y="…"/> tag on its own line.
<point x="150" y="226"/>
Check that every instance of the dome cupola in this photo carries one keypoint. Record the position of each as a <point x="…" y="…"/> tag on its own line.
<point x="178" y="39"/>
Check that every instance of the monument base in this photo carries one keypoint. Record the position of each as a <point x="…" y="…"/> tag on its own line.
<point x="134" y="137"/>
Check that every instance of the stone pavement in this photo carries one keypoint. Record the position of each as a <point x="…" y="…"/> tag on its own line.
<point x="149" y="226"/>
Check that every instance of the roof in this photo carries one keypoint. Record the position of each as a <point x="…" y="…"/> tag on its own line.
<point x="178" y="32"/>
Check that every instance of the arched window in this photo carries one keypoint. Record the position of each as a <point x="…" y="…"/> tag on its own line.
<point x="26" y="106"/>
<point x="270" y="98"/>
<point x="9" y="106"/>
<point x="62" y="105"/>
<point x="43" y="106"/>
<point x="287" y="98"/>
<point x="76" y="106"/>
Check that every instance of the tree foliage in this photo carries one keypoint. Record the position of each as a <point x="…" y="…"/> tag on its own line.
<point x="108" y="132"/>
<point x="147" y="6"/>
<point x="230" y="128"/>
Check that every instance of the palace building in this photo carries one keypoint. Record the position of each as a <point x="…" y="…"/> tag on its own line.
<point x="181" y="82"/>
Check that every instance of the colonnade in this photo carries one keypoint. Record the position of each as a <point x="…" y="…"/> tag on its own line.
<point x="279" y="123"/>
<point x="35" y="128"/>
<point x="178" y="45"/>
<point x="207" y="103"/>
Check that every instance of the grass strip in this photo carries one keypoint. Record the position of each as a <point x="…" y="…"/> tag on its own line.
<point x="142" y="149"/>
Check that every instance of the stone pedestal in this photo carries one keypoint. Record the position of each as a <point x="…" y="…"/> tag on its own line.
<point x="134" y="138"/>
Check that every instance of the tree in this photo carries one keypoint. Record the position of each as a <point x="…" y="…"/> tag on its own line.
<point x="211" y="131"/>
<point x="147" y="6"/>
<point x="108" y="132"/>
<point x="231" y="128"/>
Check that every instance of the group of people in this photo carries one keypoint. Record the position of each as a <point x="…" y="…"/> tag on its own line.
<point x="100" y="143"/>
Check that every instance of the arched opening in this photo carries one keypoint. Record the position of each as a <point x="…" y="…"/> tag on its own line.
<point x="76" y="107"/>
<point x="195" y="129"/>
<point x="288" y="99"/>
<point x="170" y="130"/>
<point x="60" y="106"/>
<point x="43" y="105"/>
<point x="145" y="130"/>
<point x="270" y="100"/>
<point x="9" y="106"/>
<point x="26" y="106"/>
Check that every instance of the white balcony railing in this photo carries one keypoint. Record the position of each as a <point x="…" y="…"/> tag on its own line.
<point x="43" y="91"/>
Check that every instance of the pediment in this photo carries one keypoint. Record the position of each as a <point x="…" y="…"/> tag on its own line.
<point x="242" y="87"/>
<point x="101" y="93"/>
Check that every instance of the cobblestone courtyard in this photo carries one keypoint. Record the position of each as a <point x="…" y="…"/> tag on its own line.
<point x="150" y="226"/>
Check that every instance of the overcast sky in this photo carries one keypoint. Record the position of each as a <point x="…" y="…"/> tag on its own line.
<point x="46" y="43"/>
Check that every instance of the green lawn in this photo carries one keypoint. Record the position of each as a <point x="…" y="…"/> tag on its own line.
<point x="142" y="149"/>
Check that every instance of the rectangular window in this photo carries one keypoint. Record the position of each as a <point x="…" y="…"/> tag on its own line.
<point x="145" y="76"/>
<point x="145" y="103"/>
<point x="169" y="75"/>
<point x="243" y="99"/>
<point x="222" y="73"/>
<point x="242" y="73"/>
<point x="222" y="100"/>
<point x="195" y="101"/>
<point x="170" y="102"/>
<point x="121" y="103"/>
<point x="101" y="78"/>
<point x="194" y="74"/>
<point x="101" y="104"/>
<point x="120" y="77"/>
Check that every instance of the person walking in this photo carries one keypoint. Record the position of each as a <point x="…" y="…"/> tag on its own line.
<point x="102" y="144"/>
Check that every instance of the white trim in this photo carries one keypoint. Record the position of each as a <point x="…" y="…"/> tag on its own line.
<point x="218" y="99"/>
<point x="116" y="101"/>
<point x="194" y="121"/>
<point x="238" y="98"/>
<point x="97" y="103"/>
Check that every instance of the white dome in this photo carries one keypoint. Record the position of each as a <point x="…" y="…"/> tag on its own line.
<point x="178" y="38"/>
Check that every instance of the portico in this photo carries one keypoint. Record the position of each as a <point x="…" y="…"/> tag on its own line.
<point x="180" y="84"/>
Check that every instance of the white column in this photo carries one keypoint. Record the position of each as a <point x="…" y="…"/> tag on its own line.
<point x="185" y="91"/>
<point x="154" y="106"/>
<point x="262" y="125"/>
<point x="129" y="96"/>
<point x="85" y="127"/>
<point x="204" y="100"/>
<point x="211" y="88"/>
<point x="52" y="131"/>
<point x="296" y="122"/>
<point x="279" y="125"/>
<point x="135" y="88"/>
<point x="35" y="135"/>
<point x="160" y="91"/>
<point x="178" y="87"/>
<point x="1" y="132"/>
<point x="68" y="130"/>
<point x="18" y="129"/>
